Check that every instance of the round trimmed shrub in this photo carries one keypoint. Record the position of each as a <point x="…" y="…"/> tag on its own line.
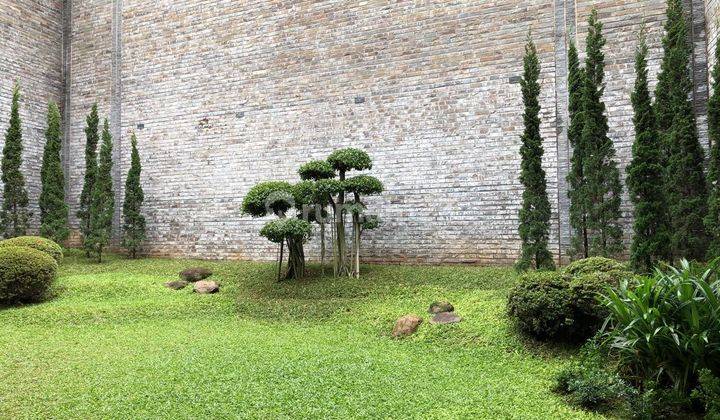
<point x="594" y="265"/>
<point x="26" y="274"/>
<point x="36" y="242"/>
<point x="540" y="304"/>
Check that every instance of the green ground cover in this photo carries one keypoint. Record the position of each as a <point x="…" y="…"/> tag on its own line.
<point x="115" y="343"/>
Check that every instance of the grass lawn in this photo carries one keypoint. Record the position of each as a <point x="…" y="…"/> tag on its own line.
<point x="115" y="343"/>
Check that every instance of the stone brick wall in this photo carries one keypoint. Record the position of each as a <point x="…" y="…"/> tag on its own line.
<point x="223" y="94"/>
<point x="31" y="48"/>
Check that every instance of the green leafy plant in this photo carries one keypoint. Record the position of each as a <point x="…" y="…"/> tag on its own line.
<point x="592" y="382"/>
<point x="666" y="327"/>
<point x="708" y="392"/>
<point x="534" y="226"/>
<point x="53" y="210"/>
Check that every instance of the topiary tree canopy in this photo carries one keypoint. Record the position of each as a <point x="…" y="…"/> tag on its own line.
<point x="92" y="138"/>
<point x="269" y="197"/>
<point x="102" y="206"/>
<point x="349" y="159"/>
<point x="316" y="170"/>
<point x="277" y="198"/>
<point x="133" y="220"/>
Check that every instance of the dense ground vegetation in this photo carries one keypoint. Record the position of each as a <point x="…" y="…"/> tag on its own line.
<point x="115" y="343"/>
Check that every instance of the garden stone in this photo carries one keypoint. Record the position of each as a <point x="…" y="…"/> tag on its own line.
<point x="439" y="307"/>
<point x="177" y="284"/>
<point x="206" y="287"/>
<point x="195" y="274"/>
<point x="406" y="325"/>
<point x="445" y="318"/>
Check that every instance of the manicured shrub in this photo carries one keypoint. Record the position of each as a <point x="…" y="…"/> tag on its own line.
<point x="594" y="265"/>
<point x="666" y="327"/>
<point x="26" y="274"/>
<point x="540" y="305"/>
<point x="36" y="242"/>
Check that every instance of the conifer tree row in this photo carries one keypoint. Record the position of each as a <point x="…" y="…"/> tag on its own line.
<point x="14" y="215"/>
<point x="53" y="210"/>
<point x="535" y="212"/>
<point x="645" y="176"/>
<point x="683" y="155"/>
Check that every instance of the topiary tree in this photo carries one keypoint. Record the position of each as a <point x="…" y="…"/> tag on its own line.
<point x="133" y="220"/>
<point x="684" y="157"/>
<point x="360" y="186"/>
<point x="645" y="176"/>
<point x="26" y="274"/>
<point x="14" y="216"/>
<point x="53" y="210"/>
<point x="602" y="187"/>
<point x="311" y="173"/>
<point x="534" y="227"/>
<point x="103" y="200"/>
<point x="277" y="198"/>
<point x="342" y="161"/>
<point x="712" y="220"/>
<point x="92" y="138"/>
<point x="576" y="177"/>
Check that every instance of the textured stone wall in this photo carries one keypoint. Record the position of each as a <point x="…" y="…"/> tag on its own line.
<point x="31" y="48"/>
<point x="224" y="94"/>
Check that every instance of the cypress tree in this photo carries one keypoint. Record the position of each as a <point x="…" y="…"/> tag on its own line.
<point x="712" y="220"/>
<point x="645" y="176"/>
<point x="14" y="216"/>
<point x="602" y="187"/>
<point x="91" y="142"/>
<point x="535" y="212"/>
<point x="683" y="155"/>
<point x="102" y="204"/>
<point x="133" y="220"/>
<point x="53" y="210"/>
<point x="576" y="178"/>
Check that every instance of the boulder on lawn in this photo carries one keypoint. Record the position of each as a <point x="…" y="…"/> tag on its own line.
<point x="195" y="274"/>
<point x="440" y="307"/>
<point x="177" y="284"/>
<point x="445" y="318"/>
<point x="406" y="325"/>
<point x="205" y="287"/>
